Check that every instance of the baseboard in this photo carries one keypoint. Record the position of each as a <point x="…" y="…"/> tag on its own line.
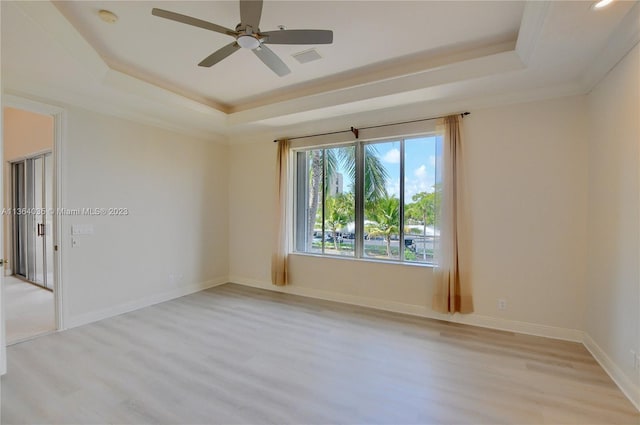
<point x="528" y="328"/>
<point x="87" y="318"/>
<point x="631" y="390"/>
<point x="565" y="334"/>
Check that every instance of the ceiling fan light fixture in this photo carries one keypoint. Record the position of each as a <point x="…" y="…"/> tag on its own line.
<point x="248" y="42"/>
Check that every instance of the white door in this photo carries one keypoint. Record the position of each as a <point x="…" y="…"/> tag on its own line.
<point x="32" y="189"/>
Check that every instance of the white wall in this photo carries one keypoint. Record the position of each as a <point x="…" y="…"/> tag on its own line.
<point x="613" y="284"/>
<point x="527" y="173"/>
<point x="527" y="169"/>
<point x="175" y="188"/>
<point x="25" y="134"/>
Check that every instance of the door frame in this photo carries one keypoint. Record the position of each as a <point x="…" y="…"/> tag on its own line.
<point x="59" y="115"/>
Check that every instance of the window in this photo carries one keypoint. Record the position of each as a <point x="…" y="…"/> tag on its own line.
<point x="375" y="200"/>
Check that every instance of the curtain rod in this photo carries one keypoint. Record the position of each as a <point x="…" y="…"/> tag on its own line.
<point x="356" y="131"/>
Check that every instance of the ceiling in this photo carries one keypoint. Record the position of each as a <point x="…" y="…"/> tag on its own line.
<point x="366" y="34"/>
<point x="386" y="56"/>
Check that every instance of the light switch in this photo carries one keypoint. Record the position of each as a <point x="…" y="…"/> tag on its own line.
<point x="82" y="229"/>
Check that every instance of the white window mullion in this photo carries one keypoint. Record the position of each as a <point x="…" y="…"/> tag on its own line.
<point x="359" y="201"/>
<point x="324" y="188"/>
<point x="401" y="227"/>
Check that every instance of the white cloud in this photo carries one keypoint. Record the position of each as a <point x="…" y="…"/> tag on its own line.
<point x="422" y="181"/>
<point x="393" y="187"/>
<point x="392" y="157"/>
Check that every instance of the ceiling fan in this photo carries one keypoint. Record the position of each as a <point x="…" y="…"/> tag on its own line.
<point x="248" y="36"/>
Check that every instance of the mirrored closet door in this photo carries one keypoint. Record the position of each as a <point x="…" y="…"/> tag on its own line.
<point x="32" y="184"/>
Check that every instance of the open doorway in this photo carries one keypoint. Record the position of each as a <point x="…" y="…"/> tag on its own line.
<point x="28" y="224"/>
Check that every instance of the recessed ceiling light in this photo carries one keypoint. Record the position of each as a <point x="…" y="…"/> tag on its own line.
<point x="108" y="16"/>
<point x="602" y="3"/>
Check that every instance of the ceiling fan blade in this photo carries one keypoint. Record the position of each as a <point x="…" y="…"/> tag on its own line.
<point x="192" y="21"/>
<point x="298" y="37"/>
<point x="219" y="54"/>
<point x="250" y="13"/>
<point x="272" y="60"/>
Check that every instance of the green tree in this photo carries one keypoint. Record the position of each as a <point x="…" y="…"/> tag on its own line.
<point x="338" y="213"/>
<point x="385" y="216"/>
<point x="375" y="176"/>
<point x="315" y="159"/>
<point x="423" y="210"/>
<point x="375" y="173"/>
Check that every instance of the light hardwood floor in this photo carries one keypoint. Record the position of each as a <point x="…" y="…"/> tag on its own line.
<point x="234" y="354"/>
<point x="30" y="309"/>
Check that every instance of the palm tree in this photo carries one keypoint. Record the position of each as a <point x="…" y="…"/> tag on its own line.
<point x="375" y="173"/>
<point x="385" y="217"/>
<point x="315" y="176"/>
<point x="375" y="176"/>
<point x="338" y="213"/>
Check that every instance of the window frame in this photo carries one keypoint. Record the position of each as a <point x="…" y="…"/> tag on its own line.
<point x="359" y="202"/>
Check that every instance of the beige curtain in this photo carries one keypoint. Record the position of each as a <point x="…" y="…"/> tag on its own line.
<point x="452" y="287"/>
<point x="279" y="257"/>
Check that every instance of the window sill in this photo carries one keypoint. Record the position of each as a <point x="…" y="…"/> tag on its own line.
<point x="363" y="260"/>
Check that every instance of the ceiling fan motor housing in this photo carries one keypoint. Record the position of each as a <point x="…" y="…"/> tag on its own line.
<point x="247" y="37"/>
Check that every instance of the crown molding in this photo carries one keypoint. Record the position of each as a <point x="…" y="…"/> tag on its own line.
<point x="418" y="86"/>
<point x="49" y="19"/>
<point x="623" y="39"/>
<point x="131" y="85"/>
<point x="533" y="20"/>
<point x="383" y="71"/>
<point x="283" y="128"/>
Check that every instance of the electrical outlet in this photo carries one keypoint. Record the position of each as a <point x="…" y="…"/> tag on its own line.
<point x="502" y="304"/>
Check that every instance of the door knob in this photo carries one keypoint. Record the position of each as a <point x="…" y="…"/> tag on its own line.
<point x="3" y="262"/>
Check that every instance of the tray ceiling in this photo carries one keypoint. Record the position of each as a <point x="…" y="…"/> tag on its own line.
<point x="391" y="60"/>
<point x="368" y="36"/>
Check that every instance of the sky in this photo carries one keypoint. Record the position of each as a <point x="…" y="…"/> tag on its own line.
<point x="420" y="166"/>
